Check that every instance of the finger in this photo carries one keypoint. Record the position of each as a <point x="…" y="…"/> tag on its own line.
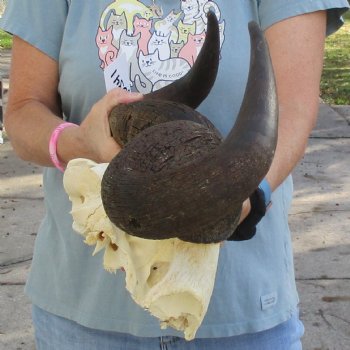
<point x="246" y="206"/>
<point x="116" y="96"/>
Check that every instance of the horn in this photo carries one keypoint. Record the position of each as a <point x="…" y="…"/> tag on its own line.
<point x="176" y="101"/>
<point x="128" y="120"/>
<point x="178" y="179"/>
<point x="195" y="86"/>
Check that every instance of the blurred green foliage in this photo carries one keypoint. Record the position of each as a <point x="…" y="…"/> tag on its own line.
<point x="335" y="83"/>
<point x="5" y="40"/>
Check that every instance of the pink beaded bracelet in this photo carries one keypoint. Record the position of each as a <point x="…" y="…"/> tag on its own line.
<point x="53" y="144"/>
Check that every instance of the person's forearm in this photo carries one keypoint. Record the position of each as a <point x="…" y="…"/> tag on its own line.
<point x="296" y="48"/>
<point x="29" y="128"/>
<point x="295" y="125"/>
<point x="33" y="109"/>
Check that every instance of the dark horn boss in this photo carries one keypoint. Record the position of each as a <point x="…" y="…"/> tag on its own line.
<point x="176" y="176"/>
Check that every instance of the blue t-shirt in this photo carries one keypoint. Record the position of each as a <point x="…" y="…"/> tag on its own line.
<point x="143" y="45"/>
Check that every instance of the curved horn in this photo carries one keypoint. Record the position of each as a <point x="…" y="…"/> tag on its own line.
<point x="200" y="200"/>
<point x="195" y="86"/>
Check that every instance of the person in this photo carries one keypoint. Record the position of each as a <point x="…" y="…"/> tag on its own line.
<point x="72" y="61"/>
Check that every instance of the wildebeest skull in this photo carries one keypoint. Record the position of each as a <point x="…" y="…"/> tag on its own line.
<point x="175" y="177"/>
<point x="174" y="181"/>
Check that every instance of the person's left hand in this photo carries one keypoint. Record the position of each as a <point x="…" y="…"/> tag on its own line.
<point x="246" y="206"/>
<point x="253" y="210"/>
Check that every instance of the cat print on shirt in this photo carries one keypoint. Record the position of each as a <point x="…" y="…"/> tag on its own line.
<point x="167" y="25"/>
<point x="129" y="45"/>
<point x="192" y="48"/>
<point x="130" y="8"/>
<point x="118" y="24"/>
<point x="195" y="13"/>
<point x="201" y="18"/>
<point x="175" y="49"/>
<point x="143" y="49"/>
<point x="128" y="54"/>
<point x="184" y="30"/>
<point x="156" y="11"/>
<point x="160" y="43"/>
<point x="106" y="51"/>
<point x="190" y="8"/>
<point x="143" y="26"/>
<point x="157" y="71"/>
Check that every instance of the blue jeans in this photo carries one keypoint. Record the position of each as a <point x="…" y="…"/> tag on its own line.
<point x="56" y="333"/>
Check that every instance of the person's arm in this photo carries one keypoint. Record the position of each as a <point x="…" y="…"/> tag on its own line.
<point x="296" y="48"/>
<point x="33" y="112"/>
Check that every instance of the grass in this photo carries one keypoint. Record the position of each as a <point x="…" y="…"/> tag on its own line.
<point x="5" y="40"/>
<point x="335" y="83"/>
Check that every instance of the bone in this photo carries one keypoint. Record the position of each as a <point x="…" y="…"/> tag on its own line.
<point x="165" y="277"/>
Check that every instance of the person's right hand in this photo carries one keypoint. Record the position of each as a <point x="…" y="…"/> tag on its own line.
<point x="94" y="130"/>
